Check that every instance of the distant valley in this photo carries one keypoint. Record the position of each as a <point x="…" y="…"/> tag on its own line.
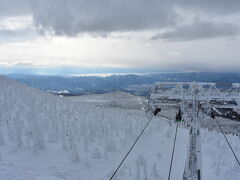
<point x="130" y="83"/>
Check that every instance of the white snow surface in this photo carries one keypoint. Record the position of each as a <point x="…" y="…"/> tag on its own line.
<point x="44" y="137"/>
<point x="114" y="99"/>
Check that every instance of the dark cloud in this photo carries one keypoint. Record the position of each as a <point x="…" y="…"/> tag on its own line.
<point x="74" y="16"/>
<point x="199" y="30"/>
<point x="71" y="17"/>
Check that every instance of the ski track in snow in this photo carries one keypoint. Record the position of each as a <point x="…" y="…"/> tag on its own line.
<point x="43" y="137"/>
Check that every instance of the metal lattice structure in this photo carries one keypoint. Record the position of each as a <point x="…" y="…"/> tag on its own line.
<point x="191" y="98"/>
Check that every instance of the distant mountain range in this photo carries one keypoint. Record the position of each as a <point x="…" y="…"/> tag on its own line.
<point x="136" y="84"/>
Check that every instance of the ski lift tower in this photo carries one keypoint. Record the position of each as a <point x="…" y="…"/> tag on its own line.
<point x="191" y="97"/>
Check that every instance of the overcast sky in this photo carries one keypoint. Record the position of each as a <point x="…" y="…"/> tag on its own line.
<point x="182" y="35"/>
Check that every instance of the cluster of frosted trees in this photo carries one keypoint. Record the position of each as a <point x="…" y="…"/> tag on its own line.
<point x="229" y="126"/>
<point x="139" y="170"/>
<point x="223" y="163"/>
<point x="32" y="119"/>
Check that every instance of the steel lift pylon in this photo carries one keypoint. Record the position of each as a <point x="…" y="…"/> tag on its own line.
<point x="190" y="97"/>
<point x="193" y="166"/>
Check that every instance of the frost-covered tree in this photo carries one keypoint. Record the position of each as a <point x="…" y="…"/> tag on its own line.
<point x="39" y="142"/>
<point x="169" y="132"/>
<point x="138" y="175"/>
<point x="145" y="171"/>
<point x="2" y="141"/>
<point x="96" y="154"/>
<point x="87" y="163"/>
<point x="18" y="129"/>
<point x="110" y="146"/>
<point x="129" y="171"/>
<point x="154" y="173"/>
<point x="74" y="149"/>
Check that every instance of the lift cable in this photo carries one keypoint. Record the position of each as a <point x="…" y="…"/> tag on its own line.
<point x="227" y="141"/>
<point x="131" y="147"/>
<point x="170" y="169"/>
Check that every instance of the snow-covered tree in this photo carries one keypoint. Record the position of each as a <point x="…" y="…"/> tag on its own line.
<point x="2" y="141"/>
<point x="138" y="175"/>
<point x="96" y="154"/>
<point x="154" y="173"/>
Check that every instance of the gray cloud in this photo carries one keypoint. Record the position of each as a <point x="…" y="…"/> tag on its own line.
<point x="93" y="16"/>
<point x="211" y="6"/>
<point x="199" y="30"/>
<point x="74" y="16"/>
<point x="71" y="17"/>
<point x="14" y="8"/>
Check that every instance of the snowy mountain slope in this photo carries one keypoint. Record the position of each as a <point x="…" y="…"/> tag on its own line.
<point x="44" y="137"/>
<point x="114" y="99"/>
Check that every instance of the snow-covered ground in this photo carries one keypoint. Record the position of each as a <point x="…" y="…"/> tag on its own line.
<point x="44" y="137"/>
<point x="115" y="99"/>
